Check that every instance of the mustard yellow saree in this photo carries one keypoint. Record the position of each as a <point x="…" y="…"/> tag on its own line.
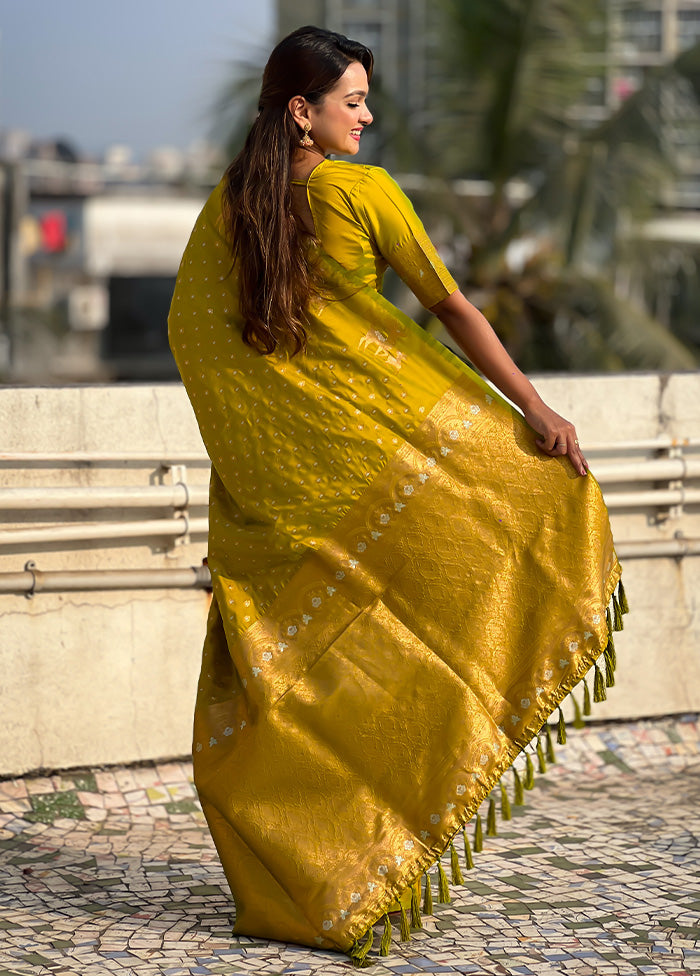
<point x="404" y="587"/>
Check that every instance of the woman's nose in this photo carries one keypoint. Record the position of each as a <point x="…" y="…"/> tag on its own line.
<point x="367" y="116"/>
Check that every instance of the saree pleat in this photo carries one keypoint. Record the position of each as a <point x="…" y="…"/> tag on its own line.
<point x="404" y="587"/>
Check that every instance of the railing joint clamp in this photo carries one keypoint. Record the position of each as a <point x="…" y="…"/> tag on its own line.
<point x="29" y="567"/>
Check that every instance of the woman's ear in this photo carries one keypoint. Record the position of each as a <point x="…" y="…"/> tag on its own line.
<point x="298" y="110"/>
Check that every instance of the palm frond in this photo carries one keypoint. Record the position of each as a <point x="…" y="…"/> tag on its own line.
<point x="516" y="68"/>
<point x="235" y="104"/>
<point x="594" y="321"/>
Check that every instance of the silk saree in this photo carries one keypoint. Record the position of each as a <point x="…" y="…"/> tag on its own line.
<point x="404" y="588"/>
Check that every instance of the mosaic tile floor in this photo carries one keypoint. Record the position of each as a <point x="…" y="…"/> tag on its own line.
<point x="113" y="872"/>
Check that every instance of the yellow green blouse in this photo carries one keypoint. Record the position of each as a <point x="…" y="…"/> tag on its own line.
<point x="366" y="223"/>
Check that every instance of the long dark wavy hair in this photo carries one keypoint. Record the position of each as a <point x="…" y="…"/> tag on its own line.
<point x="277" y="279"/>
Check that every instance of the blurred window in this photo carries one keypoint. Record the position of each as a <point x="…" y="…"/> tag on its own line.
<point x="367" y="32"/>
<point x="688" y="27"/>
<point x="641" y="29"/>
<point x="135" y="340"/>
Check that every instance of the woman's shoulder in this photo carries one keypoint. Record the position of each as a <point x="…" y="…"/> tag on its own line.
<point x="350" y="177"/>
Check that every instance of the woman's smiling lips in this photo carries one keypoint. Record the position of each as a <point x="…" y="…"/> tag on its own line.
<point x="356" y="133"/>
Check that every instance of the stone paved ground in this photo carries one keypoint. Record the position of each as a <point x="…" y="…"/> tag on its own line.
<point x="113" y="871"/>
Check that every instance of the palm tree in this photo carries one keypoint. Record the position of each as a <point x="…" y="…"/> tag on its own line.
<point x="513" y="71"/>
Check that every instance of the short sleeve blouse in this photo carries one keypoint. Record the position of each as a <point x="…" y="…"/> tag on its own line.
<point x="388" y="217"/>
<point x="366" y="222"/>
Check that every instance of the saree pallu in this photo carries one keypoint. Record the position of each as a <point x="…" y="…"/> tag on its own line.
<point x="404" y="589"/>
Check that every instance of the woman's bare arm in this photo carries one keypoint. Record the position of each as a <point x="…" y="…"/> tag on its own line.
<point x="473" y="334"/>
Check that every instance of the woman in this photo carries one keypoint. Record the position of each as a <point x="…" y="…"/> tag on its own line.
<point x="408" y="577"/>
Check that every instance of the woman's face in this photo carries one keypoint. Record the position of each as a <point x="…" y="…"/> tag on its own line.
<point x="338" y="120"/>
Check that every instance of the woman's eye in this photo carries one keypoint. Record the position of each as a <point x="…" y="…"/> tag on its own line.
<point x="353" y="104"/>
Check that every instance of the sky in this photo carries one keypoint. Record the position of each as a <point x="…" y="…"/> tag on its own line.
<point x="137" y="72"/>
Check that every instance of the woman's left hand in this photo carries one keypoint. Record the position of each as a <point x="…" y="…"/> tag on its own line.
<point x="557" y="435"/>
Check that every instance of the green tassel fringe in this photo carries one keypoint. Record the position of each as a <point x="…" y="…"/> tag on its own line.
<point x="541" y="764"/>
<point x="478" y="835"/>
<point x="405" y="931"/>
<point x="360" y="950"/>
<point x="491" y="828"/>
<point x="469" y="860"/>
<point x="443" y="887"/>
<point x="416" y="920"/>
<point x="428" y="896"/>
<point x="561" y="729"/>
<point x="609" y="670"/>
<point x="617" y="614"/>
<point x="505" y="803"/>
<point x="457" y="878"/>
<point x="519" y="798"/>
<point x="599" y="694"/>
<point x="529" y="772"/>
<point x="622" y="598"/>
<point x="385" y="944"/>
<point x="586" y="698"/>
<point x="549" y="745"/>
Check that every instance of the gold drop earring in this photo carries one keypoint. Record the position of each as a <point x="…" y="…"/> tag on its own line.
<point x="306" y="140"/>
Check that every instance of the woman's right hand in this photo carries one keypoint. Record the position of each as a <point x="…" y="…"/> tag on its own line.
<point x="557" y="435"/>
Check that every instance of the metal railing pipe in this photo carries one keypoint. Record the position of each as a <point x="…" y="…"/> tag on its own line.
<point x="674" y="548"/>
<point x="655" y="496"/>
<point x="662" y="443"/>
<point x="661" y="469"/>
<point x="63" y="581"/>
<point x="33" y="580"/>
<point x="85" y="457"/>
<point x="155" y="496"/>
<point x="178" y="526"/>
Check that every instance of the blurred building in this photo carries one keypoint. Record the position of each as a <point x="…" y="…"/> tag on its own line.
<point x="89" y="252"/>
<point x="643" y="35"/>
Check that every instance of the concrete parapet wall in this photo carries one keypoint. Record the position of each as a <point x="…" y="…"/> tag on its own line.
<point x="104" y="676"/>
<point x="109" y="676"/>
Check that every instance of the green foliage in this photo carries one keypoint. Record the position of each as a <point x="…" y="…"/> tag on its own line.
<point x="512" y="76"/>
<point x="514" y="73"/>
